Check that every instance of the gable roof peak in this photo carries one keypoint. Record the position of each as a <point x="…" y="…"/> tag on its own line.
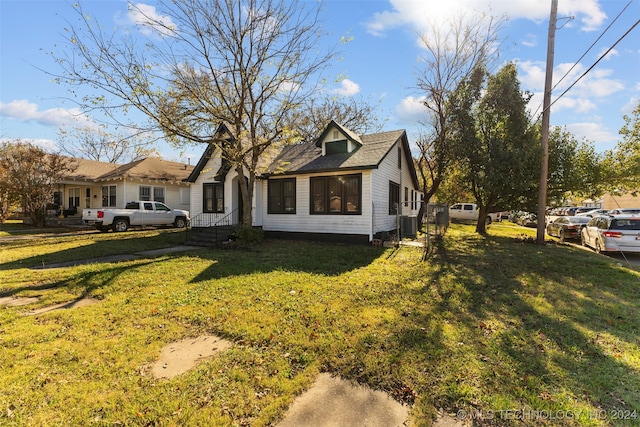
<point x="349" y="134"/>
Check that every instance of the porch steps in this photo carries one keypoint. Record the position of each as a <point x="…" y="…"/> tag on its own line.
<point x="209" y="236"/>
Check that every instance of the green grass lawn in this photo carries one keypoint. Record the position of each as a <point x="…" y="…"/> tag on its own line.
<point x="486" y="324"/>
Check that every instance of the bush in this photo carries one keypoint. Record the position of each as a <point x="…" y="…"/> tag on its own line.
<point x="249" y="234"/>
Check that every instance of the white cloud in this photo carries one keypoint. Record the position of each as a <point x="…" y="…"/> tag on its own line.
<point x="594" y="84"/>
<point x="149" y="20"/>
<point x="628" y="108"/>
<point x="577" y="105"/>
<point x="529" y="40"/>
<point x="593" y="132"/>
<point x="420" y="15"/>
<point x="45" y="144"/>
<point x="25" y="111"/>
<point x="411" y="110"/>
<point x="347" y="88"/>
<point x="611" y="54"/>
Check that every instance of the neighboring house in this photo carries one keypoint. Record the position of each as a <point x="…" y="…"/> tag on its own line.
<point x="627" y="200"/>
<point x="96" y="184"/>
<point x="343" y="186"/>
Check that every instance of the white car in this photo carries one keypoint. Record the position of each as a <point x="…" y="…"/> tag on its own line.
<point x="612" y="233"/>
<point x="593" y="212"/>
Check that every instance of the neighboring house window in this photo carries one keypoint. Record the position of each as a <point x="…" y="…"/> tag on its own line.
<point x="213" y="197"/>
<point x="282" y="196"/>
<point x="394" y="197"/>
<point x="158" y="194"/>
<point x="185" y="196"/>
<point x="406" y="196"/>
<point x="108" y="196"/>
<point x="145" y="193"/>
<point x="74" y="197"/>
<point x="336" y="195"/>
<point x="399" y="158"/>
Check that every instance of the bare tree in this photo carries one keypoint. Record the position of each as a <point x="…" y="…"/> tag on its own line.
<point x="356" y="114"/>
<point x="31" y="175"/>
<point x="245" y="63"/>
<point x="453" y="50"/>
<point x="98" y="143"/>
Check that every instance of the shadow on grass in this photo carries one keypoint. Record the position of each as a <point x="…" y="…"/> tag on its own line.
<point x="281" y="255"/>
<point x="540" y="324"/>
<point x="83" y="283"/>
<point x="497" y="323"/>
<point x="95" y="247"/>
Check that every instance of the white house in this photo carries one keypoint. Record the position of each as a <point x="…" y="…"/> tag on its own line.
<point x="343" y="187"/>
<point x="95" y="184"/>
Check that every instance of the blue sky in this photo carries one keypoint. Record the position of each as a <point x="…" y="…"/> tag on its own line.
<point x="380" y="63"/>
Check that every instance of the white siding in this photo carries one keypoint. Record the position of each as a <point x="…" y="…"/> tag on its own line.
<point x="388" y="171"/>
<point x="304" y="222"/>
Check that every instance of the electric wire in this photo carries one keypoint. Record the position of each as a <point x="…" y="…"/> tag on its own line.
<point x="595" y="63"/>
<point x="587" y="51"/>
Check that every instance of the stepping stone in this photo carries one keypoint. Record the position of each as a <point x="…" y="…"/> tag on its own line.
<point x="333" y="402"/>
<point x="178" y="357"/>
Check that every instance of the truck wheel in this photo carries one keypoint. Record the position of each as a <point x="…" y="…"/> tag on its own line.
<point x="180" y="222"/>
<point x="120" y="225"/>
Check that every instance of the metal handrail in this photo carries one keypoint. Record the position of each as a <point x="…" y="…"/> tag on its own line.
<point x="208" y="220"/>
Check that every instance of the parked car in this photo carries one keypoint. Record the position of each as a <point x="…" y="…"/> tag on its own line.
<point x="135" y="213"/>
<point x="468" y="212"/>
<point x="528" y="219"/>
<point x="612" y="233"/>
<point x="593" y="212"/>
<point x="623" y="211"/>
<point x="567" y="227"/>
<point x="582" y="209"/>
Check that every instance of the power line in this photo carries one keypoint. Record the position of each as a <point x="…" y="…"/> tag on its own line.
<point x="595" y="63"/>
<point x="593" y="44"/>
<point x="575" y="64"/>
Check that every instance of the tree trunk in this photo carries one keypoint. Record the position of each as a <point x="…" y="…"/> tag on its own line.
<point x="246" y="192"/>
<point x="481" y="225"/>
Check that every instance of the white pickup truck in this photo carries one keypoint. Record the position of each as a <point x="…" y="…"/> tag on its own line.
<point x="463" y="212"/>
<point x="136" y="213"/>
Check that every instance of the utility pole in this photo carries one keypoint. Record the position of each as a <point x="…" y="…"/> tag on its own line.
<point x="544" y="132"/>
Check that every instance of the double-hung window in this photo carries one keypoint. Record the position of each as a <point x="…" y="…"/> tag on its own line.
<point x="213" y="197"/>
<point x="145" y="193"/>
<point x="108" y="196"/>
<point x="282" y="196"/>
<point x="336" y="195"/>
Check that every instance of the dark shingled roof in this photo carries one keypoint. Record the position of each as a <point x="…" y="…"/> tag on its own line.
<point x="307" y="158"/>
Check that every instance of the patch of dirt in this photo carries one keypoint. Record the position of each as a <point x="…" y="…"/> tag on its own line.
<point x="18" y="301"/>
<point x="82" y="302"/>
<point x="333" y="401"/>
<point x="178" y="357"/>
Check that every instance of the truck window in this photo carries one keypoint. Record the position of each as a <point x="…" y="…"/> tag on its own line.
<point x="148" y="206"/>
<point x="468" y="207"/>
<point x="162" y="207"/>
<point x="132" y="205"/>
